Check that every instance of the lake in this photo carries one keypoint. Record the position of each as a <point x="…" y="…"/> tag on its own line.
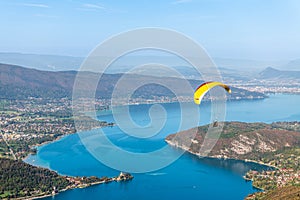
<point x="186" y="178"/>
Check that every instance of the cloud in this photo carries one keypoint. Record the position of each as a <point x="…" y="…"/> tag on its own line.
<point x="35" y="5"/>
<point x="93" y="6"/>
<point x="181" y="1"/>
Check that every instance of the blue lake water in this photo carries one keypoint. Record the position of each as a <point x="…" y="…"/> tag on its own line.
<point x="188" y="177"/>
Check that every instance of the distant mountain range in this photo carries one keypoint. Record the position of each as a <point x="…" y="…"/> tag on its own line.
<point x="230" y="69"/>
<point x="292" y="65"/>
<point x="42" y="62"/>
<point x="18" y="82"/>
<point x="64" y="63"/>
<point x="271" y="73"/>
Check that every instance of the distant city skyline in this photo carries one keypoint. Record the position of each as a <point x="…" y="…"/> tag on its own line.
<point x="249" y="29"/>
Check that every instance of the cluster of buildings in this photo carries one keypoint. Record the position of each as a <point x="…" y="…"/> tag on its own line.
<point x="36" y="105"/>
<point x="14" y="126"/>
<point x="25" y="123"/>
<point x="287" y="172"/>
<point x="273" y="89"/>
<point x="271" y="86"/>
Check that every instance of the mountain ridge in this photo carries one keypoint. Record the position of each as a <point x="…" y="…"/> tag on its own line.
<point x="272" y="73"/>
<point x="18" y="82"/>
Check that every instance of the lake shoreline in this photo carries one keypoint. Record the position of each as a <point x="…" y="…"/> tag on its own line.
<point x="97" y="183"/>
<point x="224" y="159"/>
<point x="287" y="117"/>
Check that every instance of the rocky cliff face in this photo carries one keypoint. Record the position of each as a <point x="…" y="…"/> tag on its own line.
<point x="241" y="140"/>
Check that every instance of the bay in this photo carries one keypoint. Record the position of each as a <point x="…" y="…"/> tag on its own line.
<point x="188" y="177"/>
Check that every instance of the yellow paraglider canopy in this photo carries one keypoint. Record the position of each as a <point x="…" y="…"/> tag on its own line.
<point x="205" y="87"/>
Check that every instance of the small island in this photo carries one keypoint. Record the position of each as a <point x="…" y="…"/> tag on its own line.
<point x="276" y="145"/>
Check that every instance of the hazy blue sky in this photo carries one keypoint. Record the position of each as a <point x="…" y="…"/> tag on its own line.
<point x="255" y="29"/>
